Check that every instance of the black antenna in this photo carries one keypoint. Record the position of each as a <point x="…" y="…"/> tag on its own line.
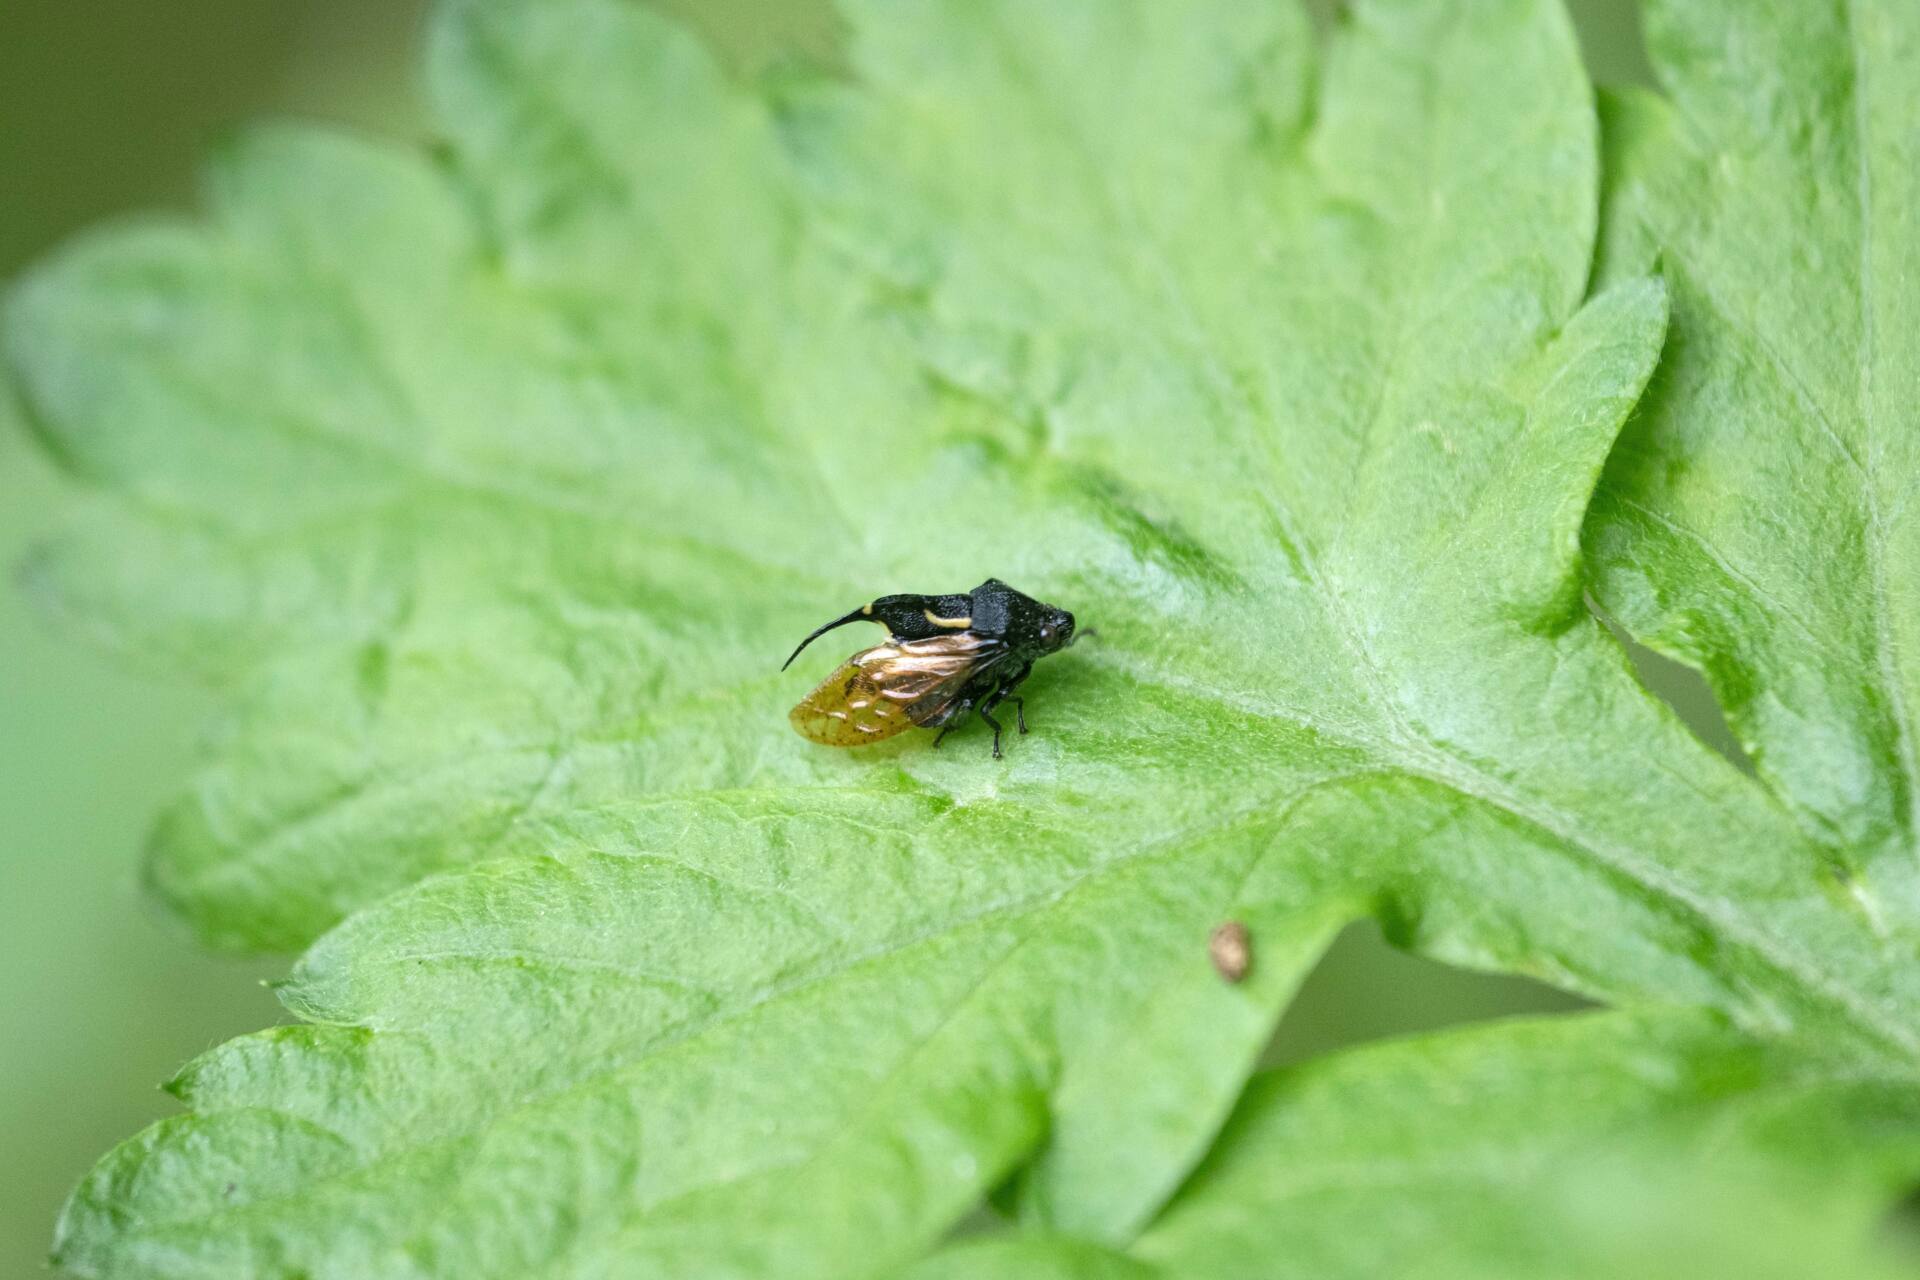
<point x="863" y="613"/>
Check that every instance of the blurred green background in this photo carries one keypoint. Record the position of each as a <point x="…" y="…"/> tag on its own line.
<point x="104" y="108"/>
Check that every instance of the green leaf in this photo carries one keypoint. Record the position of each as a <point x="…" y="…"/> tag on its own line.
<point x="1032" y="1257"/>
<point x="1756" y="521"/>
<point x="496" y="488"/>
<point x="1601" y="1145"/>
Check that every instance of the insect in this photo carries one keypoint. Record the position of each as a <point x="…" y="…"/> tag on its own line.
<point x="943" y="657"/>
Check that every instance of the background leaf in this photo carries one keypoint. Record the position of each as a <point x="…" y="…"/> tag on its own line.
<point x="1756" y="521"/>
<point x="1597" y="1145"/>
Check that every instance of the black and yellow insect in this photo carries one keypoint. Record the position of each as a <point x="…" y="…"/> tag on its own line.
<point x="943" y="656"/>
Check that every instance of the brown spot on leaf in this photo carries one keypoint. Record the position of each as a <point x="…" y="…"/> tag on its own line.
<point x="1230" y="947"/>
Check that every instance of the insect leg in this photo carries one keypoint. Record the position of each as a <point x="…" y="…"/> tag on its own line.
<point x="1005" y="694"/>
<point x="996" y="728"/>
<point x="950" y="722"/>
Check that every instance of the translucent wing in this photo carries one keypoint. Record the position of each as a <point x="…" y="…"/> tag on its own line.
<point x="893" y="686"/>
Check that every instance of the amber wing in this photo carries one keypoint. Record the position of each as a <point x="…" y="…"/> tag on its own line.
<point x="878" y="692"/>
